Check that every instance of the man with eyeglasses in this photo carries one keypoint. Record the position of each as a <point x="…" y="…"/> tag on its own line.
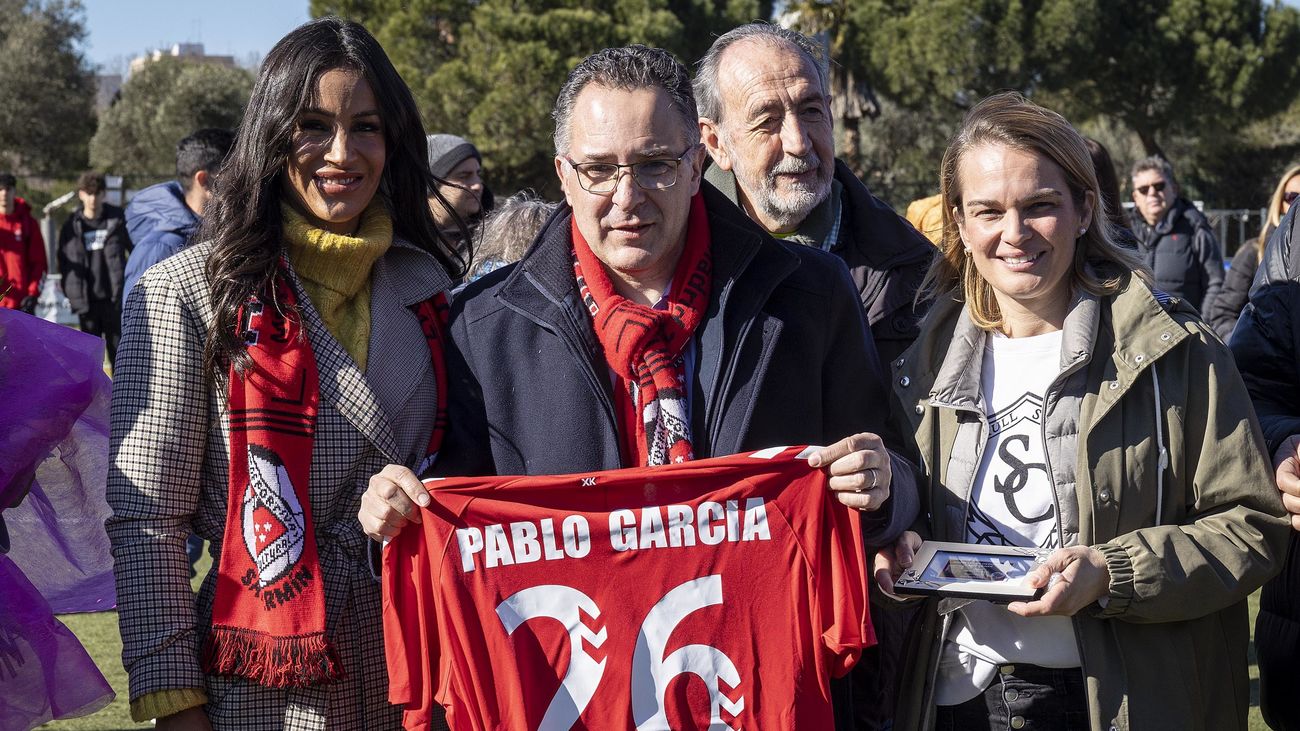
<point x="651" y="322"/>
<point x="765" y="117"/>
<point x="1174" y="238"/>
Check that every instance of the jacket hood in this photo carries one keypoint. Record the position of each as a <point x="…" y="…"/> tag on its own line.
<point x="160" y="208"/>
<point x="22" y="209"/>
<point x="1192" y="214"/>
<point x="885" y="239"/>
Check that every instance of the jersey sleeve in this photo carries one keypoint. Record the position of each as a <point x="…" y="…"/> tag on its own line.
<point x="411" y="563"/>
<point x="843" y="616"/>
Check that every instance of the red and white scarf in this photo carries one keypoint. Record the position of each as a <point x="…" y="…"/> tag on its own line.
<point x="644" y="346"/>
<point x="268" y="615"/>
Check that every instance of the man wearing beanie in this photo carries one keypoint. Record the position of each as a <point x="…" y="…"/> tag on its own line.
<point x="458" y="164"/>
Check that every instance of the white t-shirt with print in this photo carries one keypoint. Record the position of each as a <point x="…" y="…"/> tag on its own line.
<point x="1012" y="503"/>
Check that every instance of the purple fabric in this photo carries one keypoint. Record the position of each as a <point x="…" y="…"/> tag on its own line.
<point x="45" y="673"/>
<point x="53" y="465"/>
<point x="54" y="407"/>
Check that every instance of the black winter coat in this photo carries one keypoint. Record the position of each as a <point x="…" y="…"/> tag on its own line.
<point x="1266" y="343"/>
<point x="783" y="358"/>
<point x="1183" y="253"/>
<point x="1226" y="307"/>
<point x="1266" y="346"/>
<point x="887" y="258"/>
<point x="94" y="275"/>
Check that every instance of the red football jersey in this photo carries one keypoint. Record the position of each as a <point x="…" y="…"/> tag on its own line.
<point x="715" y="594"/>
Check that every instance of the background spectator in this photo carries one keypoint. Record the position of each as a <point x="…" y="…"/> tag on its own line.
<point x="22" y="250"/>
<point x="1174" y="239"/>
<point x="93" y="246"/>
<point x="507" y="231"/>
<point x="1266" y="344"/>
<point x="457" y="164"/>
<point x="1227" y="306"/>
<point x="161" y="217"/>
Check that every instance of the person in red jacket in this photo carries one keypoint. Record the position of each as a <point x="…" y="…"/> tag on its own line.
<point x="22" y="250"/>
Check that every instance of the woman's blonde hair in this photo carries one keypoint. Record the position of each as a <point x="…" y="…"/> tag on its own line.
<point x="1100" y="265"/>
<point x="1274" y="215"/>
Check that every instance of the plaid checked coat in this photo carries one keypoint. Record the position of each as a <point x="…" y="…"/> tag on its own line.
<point x="168" y="476"/>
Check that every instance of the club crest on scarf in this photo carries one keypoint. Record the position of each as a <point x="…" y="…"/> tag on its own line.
<point x="268" y="613"/>
<point x="275" y="529"/>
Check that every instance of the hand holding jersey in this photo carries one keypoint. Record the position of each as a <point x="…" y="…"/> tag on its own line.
<point x="655" y="325"/>
<point x="858" y="466"/>
<point x="614" y="571"/>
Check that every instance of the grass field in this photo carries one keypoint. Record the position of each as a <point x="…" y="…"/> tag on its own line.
<point x="99" y="634"/>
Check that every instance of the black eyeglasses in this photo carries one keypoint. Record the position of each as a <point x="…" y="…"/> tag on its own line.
<point x="1145" y="189"/>
<point x="1290" y="196"/>
<point x="602" y="178"/>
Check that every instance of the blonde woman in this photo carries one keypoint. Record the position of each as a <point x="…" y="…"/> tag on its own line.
<point x="1059" y="402"/>
<point x="1226" y="308"/>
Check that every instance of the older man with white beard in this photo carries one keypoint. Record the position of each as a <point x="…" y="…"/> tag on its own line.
<point x="765" y="118"/>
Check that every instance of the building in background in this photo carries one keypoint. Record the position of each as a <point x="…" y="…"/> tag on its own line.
<point x="192" y="52"/>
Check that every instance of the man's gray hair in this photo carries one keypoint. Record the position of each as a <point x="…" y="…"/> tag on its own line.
<point x="706" y="75"/>
<point x="1157" y="163"/>
<point x="627" y="69"/>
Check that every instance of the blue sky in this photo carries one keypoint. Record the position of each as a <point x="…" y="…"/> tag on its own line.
<point x="121" y="29"/>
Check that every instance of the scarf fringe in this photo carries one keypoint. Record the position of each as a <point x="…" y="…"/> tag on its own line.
<point x="277" y="662"/>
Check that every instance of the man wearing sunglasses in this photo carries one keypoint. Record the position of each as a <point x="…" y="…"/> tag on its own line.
<point x="1174" y="238"/>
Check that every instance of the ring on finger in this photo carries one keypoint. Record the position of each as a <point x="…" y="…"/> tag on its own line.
<point x="872" y="486"/>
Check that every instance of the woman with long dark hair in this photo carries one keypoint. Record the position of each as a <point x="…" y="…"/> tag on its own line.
<point x="264" y="374"/>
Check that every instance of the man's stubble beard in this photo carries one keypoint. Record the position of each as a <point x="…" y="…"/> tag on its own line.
<point x="789" y="208"/>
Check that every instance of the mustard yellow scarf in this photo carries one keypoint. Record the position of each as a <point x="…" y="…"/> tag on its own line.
<point x="335" y="272"/>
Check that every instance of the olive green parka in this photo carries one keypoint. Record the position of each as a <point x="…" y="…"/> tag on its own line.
<point x="1168" y="648"/>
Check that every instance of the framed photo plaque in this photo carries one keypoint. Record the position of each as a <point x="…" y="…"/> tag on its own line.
<point x="992" y="573"/>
